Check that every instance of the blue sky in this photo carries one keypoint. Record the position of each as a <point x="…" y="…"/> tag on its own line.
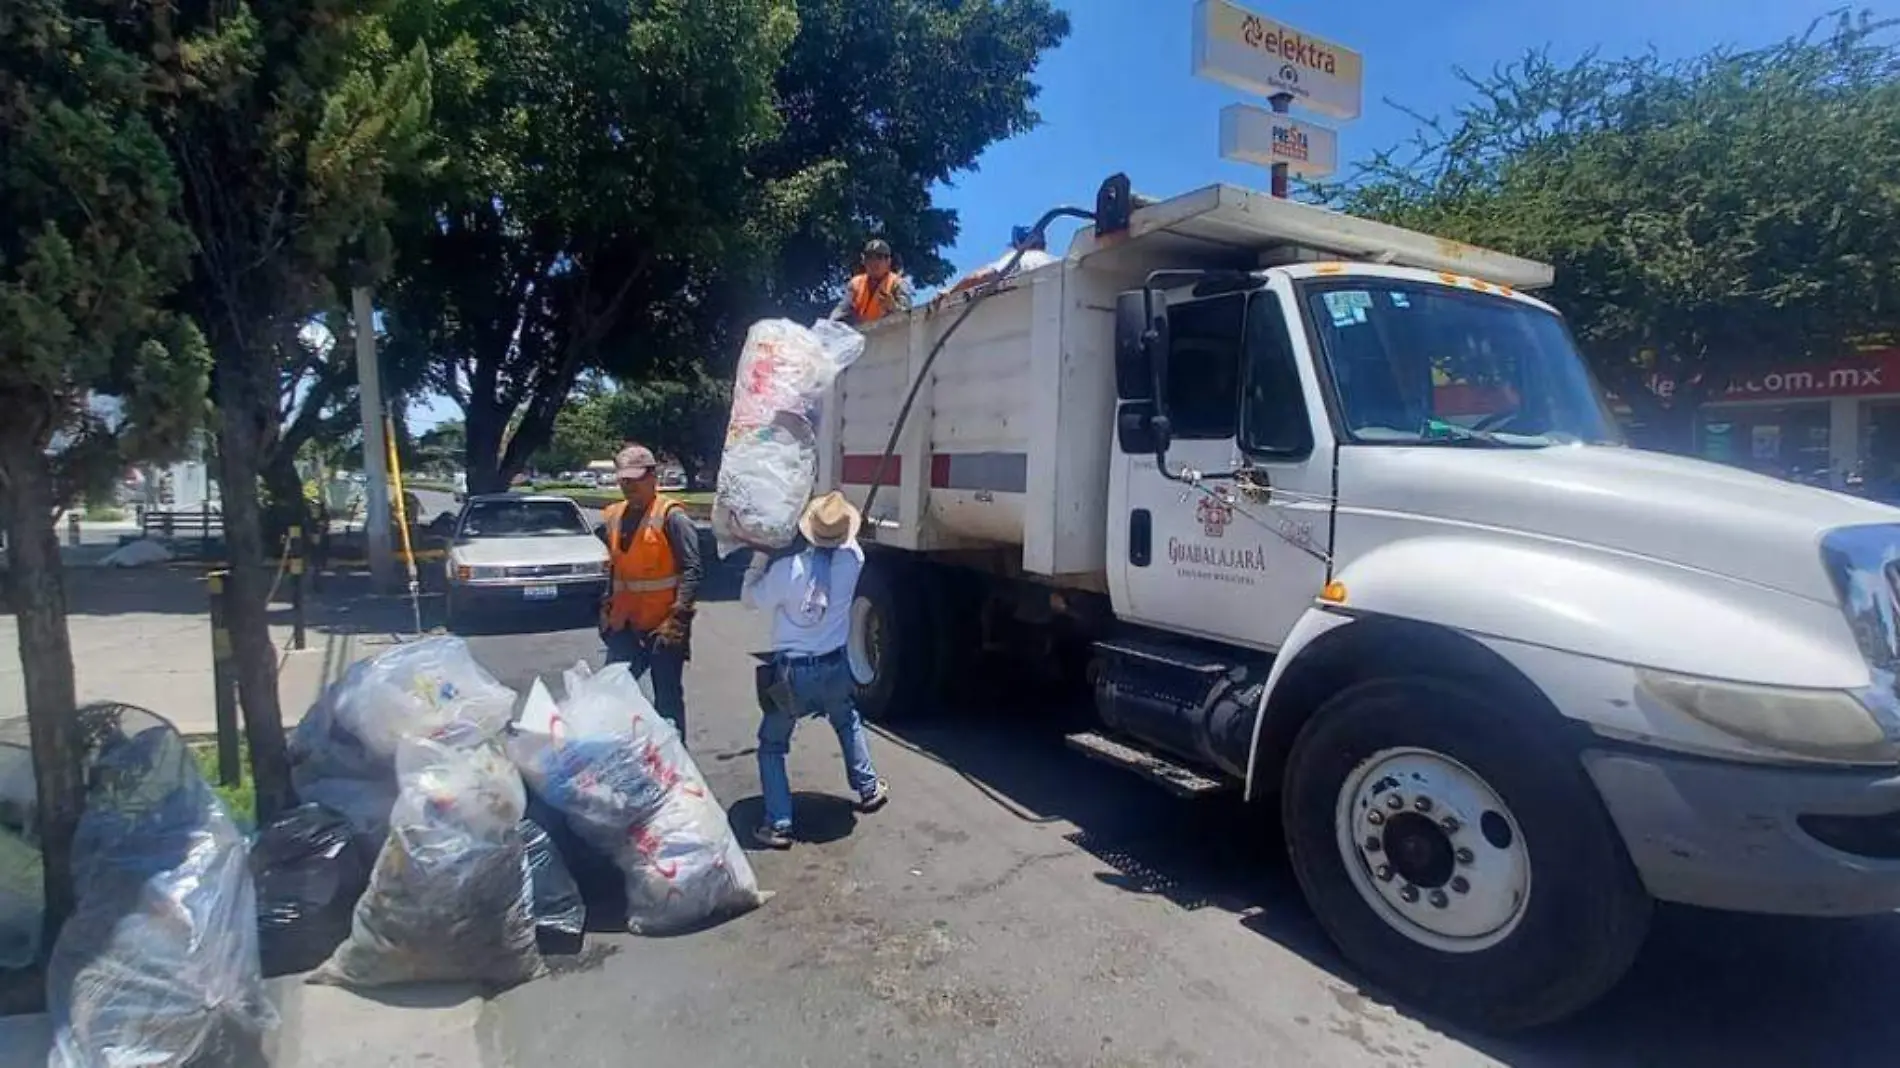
<point x="1118" y="95"/>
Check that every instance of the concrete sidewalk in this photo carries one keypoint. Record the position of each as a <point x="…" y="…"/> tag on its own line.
<point x="143" y="636"/>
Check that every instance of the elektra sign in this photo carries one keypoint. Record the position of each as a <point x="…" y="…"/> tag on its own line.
<point x="1257" y="55"/>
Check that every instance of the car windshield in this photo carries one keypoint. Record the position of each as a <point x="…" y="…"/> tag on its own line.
<point x="1418" y="363"/>
<point x="522" y="519"/>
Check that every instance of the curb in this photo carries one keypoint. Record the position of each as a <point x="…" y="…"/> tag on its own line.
<point x="330" y="1027"/>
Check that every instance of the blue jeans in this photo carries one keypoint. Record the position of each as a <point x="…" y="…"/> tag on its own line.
<point x="823" y="688"/>
<point x="665" y="666"/>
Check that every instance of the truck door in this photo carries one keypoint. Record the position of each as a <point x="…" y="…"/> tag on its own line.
<point x="1237" y="559"/>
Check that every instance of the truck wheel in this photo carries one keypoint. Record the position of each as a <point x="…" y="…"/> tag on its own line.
<point x="890" y="648"/>
<point x="1458" y="855"/>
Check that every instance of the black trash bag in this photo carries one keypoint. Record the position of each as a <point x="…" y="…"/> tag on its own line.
<point x="310" y="869"/>
<point x="447" y="900"/>
<point x="559" y="914"/>
<point x="158" y="964"/>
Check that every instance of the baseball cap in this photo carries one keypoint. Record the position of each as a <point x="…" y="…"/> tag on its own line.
<point x="877" y="247"/>
<point x="634" y="461"/>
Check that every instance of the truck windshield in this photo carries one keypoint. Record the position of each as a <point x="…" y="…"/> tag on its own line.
<point x="1418" y="363"/>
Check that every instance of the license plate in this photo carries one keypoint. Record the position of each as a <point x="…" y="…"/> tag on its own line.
<point x="540" y="593"/>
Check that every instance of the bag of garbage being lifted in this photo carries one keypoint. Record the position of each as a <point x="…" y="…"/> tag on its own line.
<point x="617" y="772"/>
<point x="771" y="454"/>
<point x="158" y="963"/>
<point x="343" y="752"/>
<point x="450" y="897"/>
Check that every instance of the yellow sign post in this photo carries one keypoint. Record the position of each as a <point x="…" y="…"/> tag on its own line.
<point x="402" y="521"/>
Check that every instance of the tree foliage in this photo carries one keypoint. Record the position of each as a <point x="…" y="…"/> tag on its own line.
<point x="694" y="169"/>
<point x="1707" y="218"/>
<point x="600" y="172"/>
<point x="680" y="418"/>
<point x="288" y="123"/>
<point x="94" y="374"/>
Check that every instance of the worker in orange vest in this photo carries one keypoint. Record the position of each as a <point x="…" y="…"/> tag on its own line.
<point x="875" y="292"/>
<point x="646" y="618"/>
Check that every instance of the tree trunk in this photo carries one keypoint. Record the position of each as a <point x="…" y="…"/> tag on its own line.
<point x="247" y="403"/>
<point x="288" y="507"/>
<point x="483" y="430"/>
<point x="38" y="594"/>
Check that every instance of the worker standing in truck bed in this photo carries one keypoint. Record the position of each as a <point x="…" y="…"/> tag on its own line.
<point x="876" y="291"/>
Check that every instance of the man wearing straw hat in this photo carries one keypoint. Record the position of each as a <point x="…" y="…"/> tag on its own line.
<point x="809" y="590"/>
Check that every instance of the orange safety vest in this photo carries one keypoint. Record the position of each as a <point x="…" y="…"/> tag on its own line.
<point x="645" y="576"/>
<point x="865" y="302"/>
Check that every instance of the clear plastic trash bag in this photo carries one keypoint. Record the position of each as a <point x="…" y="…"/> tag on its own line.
<point x="770" y="459"/>
<point x="343" y="752"/>
<point x="158" y="964"/>
<point x="448" y="900"/>
<point x="310" y="868"/>
<point x="627" y="788"/>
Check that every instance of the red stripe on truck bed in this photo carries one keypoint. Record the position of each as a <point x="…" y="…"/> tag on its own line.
<point x="998" y="472"/>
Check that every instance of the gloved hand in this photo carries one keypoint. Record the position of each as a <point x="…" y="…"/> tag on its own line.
<point x="677" y="631"/>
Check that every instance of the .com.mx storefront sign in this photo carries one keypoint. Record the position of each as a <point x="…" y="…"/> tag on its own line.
<point x="1867" y="375"/>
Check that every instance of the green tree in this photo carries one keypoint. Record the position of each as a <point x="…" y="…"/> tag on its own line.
<point x="287" y="122"/>
<point x="680" y="208"/>
<point x="600" y="169"/>
<point x="1707" y="218"/>
<point x="682" y="417"/>
<point x="94" y="375"/>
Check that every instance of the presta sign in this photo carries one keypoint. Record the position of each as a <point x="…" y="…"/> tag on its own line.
<point x="1255" y="135"/>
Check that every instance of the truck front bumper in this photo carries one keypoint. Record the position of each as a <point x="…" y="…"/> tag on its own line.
<point x="1755" y="838"/>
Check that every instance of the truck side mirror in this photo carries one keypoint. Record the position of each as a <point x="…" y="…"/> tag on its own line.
<point x="1134" y="375"/>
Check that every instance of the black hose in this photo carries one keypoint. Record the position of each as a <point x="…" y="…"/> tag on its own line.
<point x="923" y="373"/>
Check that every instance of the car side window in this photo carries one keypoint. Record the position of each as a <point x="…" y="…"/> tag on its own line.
<point x="1273" y="416"/>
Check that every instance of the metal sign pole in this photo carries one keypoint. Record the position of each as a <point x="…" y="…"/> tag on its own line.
<point x="1280" y="103"/>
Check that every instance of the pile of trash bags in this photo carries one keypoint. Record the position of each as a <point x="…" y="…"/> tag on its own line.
<point x="158" y="963"/>
<point x="418" y="746"/>
<point x="771" y="453"/>
<point x="411" y="859"/>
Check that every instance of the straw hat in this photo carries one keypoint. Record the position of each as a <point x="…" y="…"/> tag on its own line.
<point x="830" y="521"/>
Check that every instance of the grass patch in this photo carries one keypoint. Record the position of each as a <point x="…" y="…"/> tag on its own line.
<point x="589" y="497"/>
<point x="103" y="513"/>
<point x="241" y="798"/>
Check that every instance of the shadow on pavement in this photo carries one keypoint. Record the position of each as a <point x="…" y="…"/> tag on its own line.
<point x="1709" y="988"/>
<point x="817" y="818"/>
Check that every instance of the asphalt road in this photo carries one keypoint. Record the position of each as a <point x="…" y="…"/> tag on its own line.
<point x="1018" y="905"/>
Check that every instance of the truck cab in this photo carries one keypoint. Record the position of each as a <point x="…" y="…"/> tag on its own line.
<point x="1339" y="518"/>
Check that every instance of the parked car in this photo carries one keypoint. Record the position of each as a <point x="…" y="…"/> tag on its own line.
<point x="513" y="552"/>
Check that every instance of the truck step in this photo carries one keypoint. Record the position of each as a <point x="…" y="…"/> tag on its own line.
<point x="1177" y="779"/>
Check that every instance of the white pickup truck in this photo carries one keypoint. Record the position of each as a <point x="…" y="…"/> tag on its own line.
<point x="1338" y="516"/>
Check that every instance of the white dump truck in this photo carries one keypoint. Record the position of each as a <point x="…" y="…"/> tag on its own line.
<point x="1341" y="519"/>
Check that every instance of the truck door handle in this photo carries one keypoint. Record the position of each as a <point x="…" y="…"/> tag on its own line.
<point x="1141" y="527"/>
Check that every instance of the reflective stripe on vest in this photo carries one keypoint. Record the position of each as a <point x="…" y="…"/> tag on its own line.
<point x="864" y="301"/>
<point x="645" y="575"/>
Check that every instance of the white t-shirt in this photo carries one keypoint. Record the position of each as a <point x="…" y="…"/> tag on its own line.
<point x="782" y="589"/>
<point x="1032" y="259"/>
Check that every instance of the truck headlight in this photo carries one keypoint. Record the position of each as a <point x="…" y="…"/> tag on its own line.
<point x="1830" y="725"/>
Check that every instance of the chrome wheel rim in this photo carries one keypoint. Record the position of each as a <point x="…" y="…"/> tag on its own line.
<point x="1433" y="849"/>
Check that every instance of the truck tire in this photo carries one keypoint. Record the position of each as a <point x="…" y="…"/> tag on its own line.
<point x="891" y="649"/>
<point x="1458" y="855"/>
